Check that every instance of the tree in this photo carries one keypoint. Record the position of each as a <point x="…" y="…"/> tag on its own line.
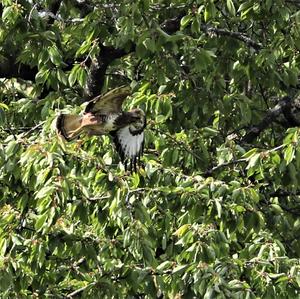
<point x="213" y="212"/>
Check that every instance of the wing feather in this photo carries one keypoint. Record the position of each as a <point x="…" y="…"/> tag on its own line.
<point x="69" y="126"/>
<point x="110" y="102"/>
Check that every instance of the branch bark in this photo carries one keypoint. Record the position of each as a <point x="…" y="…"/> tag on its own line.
<point x="284" y="193"/>
<point x="294" y="2"/>
<point x="54" y="8"/>
<point x="285" y="113"/>
<point x="236" y="35"/>
<point x="85" y="7"/>
<point x="99" y="66"/>
<point x="209" y="172"/>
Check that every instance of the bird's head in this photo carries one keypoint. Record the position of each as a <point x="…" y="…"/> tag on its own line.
<point x="138" y="120"/>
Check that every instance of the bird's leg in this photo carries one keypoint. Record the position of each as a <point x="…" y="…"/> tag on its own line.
<point x="89" y="119"/>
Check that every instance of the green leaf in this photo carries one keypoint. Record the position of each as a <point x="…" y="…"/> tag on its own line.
<point x="185" y="21"/>
<point x="6" y="14"/>
<point x="3" y="106"/>
<point x="82" y="76"/>
<point x="113" y="206"/>
<point x="40" y="222"/>
<point x="245" y="6"/>
<point x="3" y="246"/>
<point x="298" y="280"/>
<point x="6" y="281"/>
<point x="61" y="76"/>
<point x="219" y="207"/>
<point x="54" y="55"/>
<point x="276" y="209"/>
<point x="196" y="25"/>
<point x="149" y="44"/>
<point x="164" y="265"/>
<point x="84" y="48"/>
<point x="253" y="161"/>
<point x="179" y="269"/>
<point x="135" y="180"/>
<point x="12" y="148"/>
<point x="45" y="191"/>
<point x="230" y="7"/>
<point x="73" y="76"/>
<point x="203" y="59"/>
<point x="42" y="76"/>
<point x="289" y="154"/>
<point x="250" y="153"/>
<point x="181" y="231"/>
<point x="209" y="12"/>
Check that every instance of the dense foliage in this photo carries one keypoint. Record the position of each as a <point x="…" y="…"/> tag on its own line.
<point x="211" y="214"/>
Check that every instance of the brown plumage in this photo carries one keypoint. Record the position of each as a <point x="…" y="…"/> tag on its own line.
<point x="104" y="115"/>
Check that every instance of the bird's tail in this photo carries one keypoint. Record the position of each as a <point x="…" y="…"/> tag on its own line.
<point x="69" y="126"/>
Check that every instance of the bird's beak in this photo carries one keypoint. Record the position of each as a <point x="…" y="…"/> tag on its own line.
<point x="136" y="116"/>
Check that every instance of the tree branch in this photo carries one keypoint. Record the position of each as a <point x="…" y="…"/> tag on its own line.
<point x="294" y="210"/>
<point x="99" y="66"/>
<point x="53" y="10"/>
<point x="294" y="2"/>
<point x="85" y="7"/>
<point x="215" y="168"/>
<point x="284" y="193"/>
<point x="22" y="130"/>
<point x="236" y="35"/>
<point x="285" y="113"/>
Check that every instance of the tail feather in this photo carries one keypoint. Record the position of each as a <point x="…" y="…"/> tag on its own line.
<point x="69" y="126"/>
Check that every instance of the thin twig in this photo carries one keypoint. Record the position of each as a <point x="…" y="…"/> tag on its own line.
<point x="279" y="147"/>
<point x="233" y="162"/>
<point x="145" y="21"/>
<point x="33" y="129"/>
<point x="98" y="198"/>
<point x="181" y="144"/>
<point x="71" y="295"/>
<point x="11" y="132"/>
<point x="31" y="11"/>
<point x="49" y="14"/>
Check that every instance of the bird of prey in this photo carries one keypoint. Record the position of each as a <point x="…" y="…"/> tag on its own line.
<point x="103" y="115"/>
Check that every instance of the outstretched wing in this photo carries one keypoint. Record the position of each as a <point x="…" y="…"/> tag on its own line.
<point x="69" y="126"/>
<point x="110" y="102"/>
<point x="129" y="145"/>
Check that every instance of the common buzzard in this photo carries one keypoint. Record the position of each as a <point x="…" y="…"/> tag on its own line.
<point x="104" y="115"/>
